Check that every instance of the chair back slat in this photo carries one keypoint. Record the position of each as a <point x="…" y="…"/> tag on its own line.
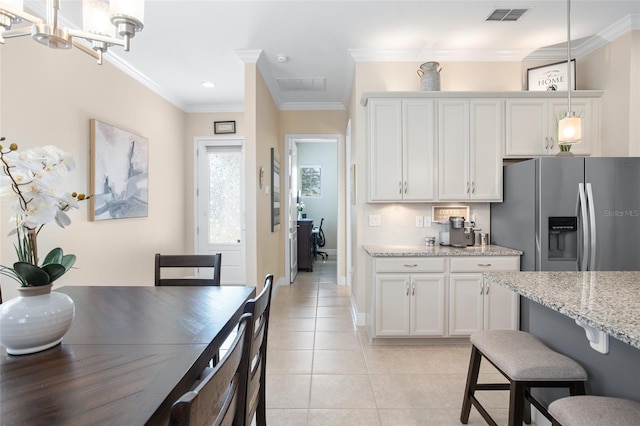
<point x="218" y="399"/>
<point x="259" y="309"/>
<point x="188" y="261"/>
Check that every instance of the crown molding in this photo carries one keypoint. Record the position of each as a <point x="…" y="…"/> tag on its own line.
<point x="250" y="56"/>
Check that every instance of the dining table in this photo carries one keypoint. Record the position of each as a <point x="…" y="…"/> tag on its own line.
<point x="130" y="353"/>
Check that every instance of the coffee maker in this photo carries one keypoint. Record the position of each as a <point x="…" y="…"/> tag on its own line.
<point x="457" y="236"/>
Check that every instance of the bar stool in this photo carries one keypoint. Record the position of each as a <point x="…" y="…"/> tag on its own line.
<point x="527" y="363"/>
<point x="594" y="411"/>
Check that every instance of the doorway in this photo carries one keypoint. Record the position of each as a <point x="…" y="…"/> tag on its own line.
<point x="318" y="157"/>
<point x="220" y="213"/>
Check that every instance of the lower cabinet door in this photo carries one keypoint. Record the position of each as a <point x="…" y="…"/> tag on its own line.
<point x="501" y="308"/>
<point x="427" y="304"/>
<point x="465" y="304"/>
<point x="392" y="305"/>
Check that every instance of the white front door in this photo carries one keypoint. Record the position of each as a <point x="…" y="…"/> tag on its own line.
<point x="220" y="212"/>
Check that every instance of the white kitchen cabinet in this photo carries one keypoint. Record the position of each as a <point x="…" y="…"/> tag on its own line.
<point x="409" y="297"/>
<point x="474" y="304"/>
<point x="401" y="149"/>
<point x="470" y="140"/>
<point x="532" y="125"/>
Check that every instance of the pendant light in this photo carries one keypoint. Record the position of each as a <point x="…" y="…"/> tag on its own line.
<point x="570" y="127"/>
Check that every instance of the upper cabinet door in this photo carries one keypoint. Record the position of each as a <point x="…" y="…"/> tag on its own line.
<point x="454" y="182"/>
<point x="486" y="142"/>
<point x="527" y="126"/>
<point x="385" y="150"/>
<point x="419" y="150"/>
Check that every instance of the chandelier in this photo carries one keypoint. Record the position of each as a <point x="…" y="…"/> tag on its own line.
<point x="104" y="24"/>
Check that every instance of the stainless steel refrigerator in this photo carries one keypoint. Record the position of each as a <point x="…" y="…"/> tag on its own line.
<point x="571" y="214"/>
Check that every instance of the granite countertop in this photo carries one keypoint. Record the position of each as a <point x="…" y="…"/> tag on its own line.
<point x="437" y="250"/>
<point x="606" y="301"/>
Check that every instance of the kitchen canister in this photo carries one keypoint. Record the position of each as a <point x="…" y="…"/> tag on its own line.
<point x="430" y="76"/>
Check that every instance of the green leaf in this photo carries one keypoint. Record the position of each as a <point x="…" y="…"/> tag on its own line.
<point x="54" y="256"/>
<point x="32" y="274"/>
<point x="54" y="270"/>
<point x="68" y="260"/>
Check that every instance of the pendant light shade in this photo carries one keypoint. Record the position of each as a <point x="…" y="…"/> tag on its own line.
<point x="570" y="127"/>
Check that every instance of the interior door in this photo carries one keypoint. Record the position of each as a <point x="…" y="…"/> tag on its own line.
<point x="220" y="217"/>
<point x="293" y="211"/>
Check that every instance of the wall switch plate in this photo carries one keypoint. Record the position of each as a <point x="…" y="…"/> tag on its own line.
<point x="374" y="220"/>
<point x="419" y="222"/>
<point x="427" y="221"/>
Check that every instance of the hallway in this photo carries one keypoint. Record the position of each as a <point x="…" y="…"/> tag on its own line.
<point x="321" y="370"/>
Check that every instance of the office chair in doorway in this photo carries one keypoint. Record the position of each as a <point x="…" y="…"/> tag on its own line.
<point x="321" y="241"/>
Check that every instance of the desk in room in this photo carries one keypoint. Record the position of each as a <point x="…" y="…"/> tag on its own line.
<point x="130" y="353"/>
<point x="305" y="245"/>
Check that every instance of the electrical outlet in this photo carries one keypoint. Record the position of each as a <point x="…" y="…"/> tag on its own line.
<point x="419" y="222"/>
<point x="427" y="221"/>
<point x="374" y="220"/>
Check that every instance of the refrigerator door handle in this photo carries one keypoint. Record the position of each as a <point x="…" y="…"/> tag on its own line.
<point x="582" y="213"/>
<point x="592" y="224"/>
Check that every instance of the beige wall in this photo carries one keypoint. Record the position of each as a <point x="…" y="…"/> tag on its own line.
<point x="270" y="255"/>
<point x="48" y="97"/>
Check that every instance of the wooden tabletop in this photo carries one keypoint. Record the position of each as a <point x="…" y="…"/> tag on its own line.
<point x="130" y="353"/>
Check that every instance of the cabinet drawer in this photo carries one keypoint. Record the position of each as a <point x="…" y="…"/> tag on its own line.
<point x="485" y="263"/>
<point x="410" y="264"/>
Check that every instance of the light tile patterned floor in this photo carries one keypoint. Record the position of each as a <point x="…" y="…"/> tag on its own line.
<point x="321" y="370"/>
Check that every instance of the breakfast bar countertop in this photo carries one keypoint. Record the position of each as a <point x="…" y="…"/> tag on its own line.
<point x="606" y="301"/>
<point x="437" y="250"/>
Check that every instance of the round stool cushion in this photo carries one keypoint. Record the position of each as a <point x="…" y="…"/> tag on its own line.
<point x="523" y="357"/>
<point x="591" y="410"/>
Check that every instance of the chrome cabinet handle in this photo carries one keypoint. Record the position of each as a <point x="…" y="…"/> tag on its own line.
<point x="407" y="288"/>
<point x="546" y="143"/>
<point x="484" y="264"/>
<point x="467" y="187"/>
<point x="413" y="289"/>
<point x="488" y="286"/>
<point x="551" y="139"/>
<point x="473" y="186"/>
<point x="405" y="186"/>
<point x="481" y="287"/>
<point x="400" y="187"/>
<point x="411" y="266"/>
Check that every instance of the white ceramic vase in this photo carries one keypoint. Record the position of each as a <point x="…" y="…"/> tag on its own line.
<point x="36" y="320"/>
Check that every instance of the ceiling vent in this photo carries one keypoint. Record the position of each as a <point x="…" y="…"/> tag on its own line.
<point x="312" y="84"/>
<point x="506" y="14"/>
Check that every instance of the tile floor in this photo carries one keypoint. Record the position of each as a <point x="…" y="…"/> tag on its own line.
<point x="321" y="370"/>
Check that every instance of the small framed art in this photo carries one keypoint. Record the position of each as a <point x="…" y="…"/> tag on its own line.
<point x="552" y="77"/>
<point x="222" y="127"/>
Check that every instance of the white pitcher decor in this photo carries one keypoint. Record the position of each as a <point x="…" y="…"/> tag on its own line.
<point x="38" y="318"/>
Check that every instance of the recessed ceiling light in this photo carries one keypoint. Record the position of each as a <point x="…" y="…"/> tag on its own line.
<point x="208" y="85"/>
<point x="282" y="58"/>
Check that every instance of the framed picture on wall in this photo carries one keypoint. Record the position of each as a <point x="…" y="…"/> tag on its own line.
<point x="552" y="77"/>
<point x="275" y="190"/>
<point x="311" y="181"/>
<point x="119" y="173"/>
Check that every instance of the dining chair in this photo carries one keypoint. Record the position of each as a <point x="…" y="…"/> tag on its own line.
<point x="218" y="399"/>
<point x="188" y="261"/>
<point x="255" y="386"/>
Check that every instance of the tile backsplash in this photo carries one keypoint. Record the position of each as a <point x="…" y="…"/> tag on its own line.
<point x="398" y="222"/>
